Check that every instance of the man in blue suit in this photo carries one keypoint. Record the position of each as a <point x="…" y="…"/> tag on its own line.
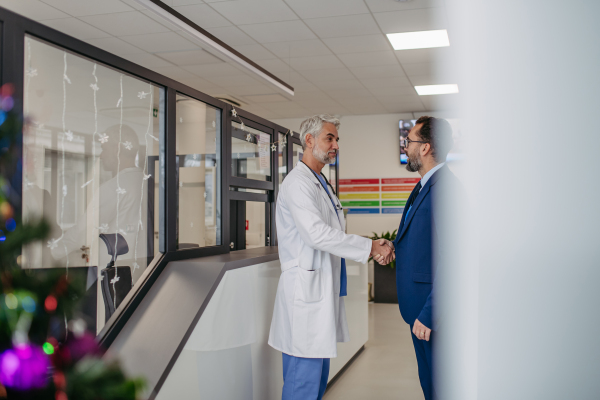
<point x="416" y="244"/>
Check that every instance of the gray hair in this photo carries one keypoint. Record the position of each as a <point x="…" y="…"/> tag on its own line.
<point x="314" y="125"/>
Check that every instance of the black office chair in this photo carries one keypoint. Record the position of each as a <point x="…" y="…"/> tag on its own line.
<point x="116" y="245"/>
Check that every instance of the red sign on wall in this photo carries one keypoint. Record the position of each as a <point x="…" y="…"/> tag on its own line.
<point x="396" y="181"/>
<point x="247" y="225"/>
<point x="359" y="181"/>
<point x="359" y="189"/>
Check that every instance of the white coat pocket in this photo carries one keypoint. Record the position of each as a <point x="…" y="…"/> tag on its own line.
<point x="311" y="287"/>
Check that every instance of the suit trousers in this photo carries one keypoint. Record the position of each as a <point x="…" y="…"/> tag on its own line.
<point x="423" y="351"/>
<point x="304" y="378"/>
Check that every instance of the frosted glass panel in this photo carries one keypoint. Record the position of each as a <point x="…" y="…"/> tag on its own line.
<point x="89" y="165"/>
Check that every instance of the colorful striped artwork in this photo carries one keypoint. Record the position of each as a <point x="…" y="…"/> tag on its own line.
<point x="376" y="195"/>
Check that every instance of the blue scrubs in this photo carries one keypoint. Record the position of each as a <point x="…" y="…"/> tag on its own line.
<point x="304" y="378"/>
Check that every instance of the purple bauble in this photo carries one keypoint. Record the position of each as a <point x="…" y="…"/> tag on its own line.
<point x="24" y="368"/>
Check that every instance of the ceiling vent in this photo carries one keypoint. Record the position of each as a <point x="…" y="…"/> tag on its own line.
<point x="229" y="100"/>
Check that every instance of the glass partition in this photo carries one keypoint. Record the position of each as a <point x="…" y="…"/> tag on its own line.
<point x="255" y="224"/>
<point x="90" y="150"/>
<point x="282" y="154"/>
<point x="198" y="138"/>
<point x="297" y="153"/>
<point x="250" y="153"/>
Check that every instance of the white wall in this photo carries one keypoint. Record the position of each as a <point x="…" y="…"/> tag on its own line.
<point x="369" y="148"/>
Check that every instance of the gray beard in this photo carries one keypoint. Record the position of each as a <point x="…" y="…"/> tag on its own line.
<point x="414" y="164"/>
<point x="322" y="156"/>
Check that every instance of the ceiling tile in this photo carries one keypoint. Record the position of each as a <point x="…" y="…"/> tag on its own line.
<point x="203" y="15"/>
<point x="125" y="23"/>
<point x="278" y="31"/>
<point x="192" y="57"/>
<point x="332" y="110"/>
<point x="419" y="69"/>
<point x="327" y="8"/>
<point x="115" y="46"/>
<point x="387" y="5"/>
<point x="158" y="42"/>
<point x="349" y="25"/>
<point x="175" y="3"/>
<point x="33" y="9"/>
<point x="76" y="28"/>
<point x="424" y="19"/>
<point x="213" y="70"/>
<point x="134" y="4"/>
<point x="399" y="98"/>
<point x="373" y="108"/>
<point x="315" y="62"/>
<point x="323" y="75"/>
<point x="358" y="44"/>
<point x="320" y="103"/>
<point x="382" y="71"/>
<point x="310" y="96"/>
<point x="244" y="12"/>
<point x="398" y="81"/>
<point x="232" y="81"/>
<point x="438" y="54"/>
<point x="419" y="80"/>
<point x="201" y="84"/>
<point x="404" y="107"/>
<point x="341" y="85"/>
<point x="298" y="48"/>
<point x="232" y="35"/>
<point x="275" y="65"/>
<point x="266" y="98"/>
<point x="369" y="59"/>
<point x="344" y="94"/>
<point x="252" y="89"/>
<point x="177" y="73"/>
<point x="304" y="87"/>
<point x="392" y="91"/>
<point x="147" y="60"/>
<point x="255" y="52"/>
<point x="358" y="101"/>
<point x="78" y="8"/>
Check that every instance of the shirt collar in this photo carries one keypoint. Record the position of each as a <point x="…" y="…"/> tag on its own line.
<point x="429" y="174"/>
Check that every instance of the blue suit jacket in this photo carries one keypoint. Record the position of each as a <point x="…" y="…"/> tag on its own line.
<point x="415" y="252"/>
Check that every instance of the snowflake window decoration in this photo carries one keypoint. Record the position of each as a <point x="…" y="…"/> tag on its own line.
<point x="103" y="138"/>
<point x="142" y="95"/>
<point x="69" y="135"/>
<point x="94" y="87"/>
<point x="128" y="145"/>
<point x="121" y="191"/>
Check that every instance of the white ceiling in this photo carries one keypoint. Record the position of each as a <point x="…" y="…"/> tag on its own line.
<point x="333" y="52"/>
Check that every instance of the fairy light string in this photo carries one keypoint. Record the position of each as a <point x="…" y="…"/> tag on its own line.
<point x="251" y="137"/>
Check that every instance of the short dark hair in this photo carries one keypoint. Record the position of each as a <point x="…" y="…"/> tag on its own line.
<point x="438" y="133"/>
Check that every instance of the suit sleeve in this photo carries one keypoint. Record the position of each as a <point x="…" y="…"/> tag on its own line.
<point x="315" y="232"/>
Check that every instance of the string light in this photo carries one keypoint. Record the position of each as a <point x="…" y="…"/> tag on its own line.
<point x="250" y="137"/>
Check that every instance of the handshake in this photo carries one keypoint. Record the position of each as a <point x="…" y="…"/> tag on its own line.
<point x="382" y="251"/>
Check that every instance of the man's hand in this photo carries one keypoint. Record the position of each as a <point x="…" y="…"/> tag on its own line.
<point x="382" y="252"/>
<point x="421" y="331"/>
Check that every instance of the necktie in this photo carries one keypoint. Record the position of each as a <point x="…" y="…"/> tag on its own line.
<point x="412" y="200"/>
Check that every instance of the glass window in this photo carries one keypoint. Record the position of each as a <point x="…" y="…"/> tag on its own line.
<point x="297" y="153"/>
<point x="246" y="190"/>
<point x="91" y="146"/>
<point x="251" y="153"/>
<point x="282" y="151"/>
<point x="255" y="224"/>
<point x="198" y="159"/>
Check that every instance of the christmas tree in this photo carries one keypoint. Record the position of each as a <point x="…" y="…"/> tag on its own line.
<point x="45" y="352"/>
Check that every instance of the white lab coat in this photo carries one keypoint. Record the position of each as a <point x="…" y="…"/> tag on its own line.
<point x="309" y="317"/>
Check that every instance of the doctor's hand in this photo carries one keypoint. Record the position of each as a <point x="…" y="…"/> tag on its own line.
<point x="381" y="252"/>
<point x="421" y="331"/>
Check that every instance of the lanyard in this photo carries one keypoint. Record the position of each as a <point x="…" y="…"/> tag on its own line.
<point x="337" y="206"/>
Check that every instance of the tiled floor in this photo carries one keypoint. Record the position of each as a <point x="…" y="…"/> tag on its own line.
<point x="387" y="368"/>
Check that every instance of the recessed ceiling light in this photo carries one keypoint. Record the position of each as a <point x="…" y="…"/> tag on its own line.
<point x="419" y="40"/>
<point x="428" y="90"/>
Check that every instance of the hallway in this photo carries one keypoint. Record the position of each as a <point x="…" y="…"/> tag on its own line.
<point x="387" y="368"/>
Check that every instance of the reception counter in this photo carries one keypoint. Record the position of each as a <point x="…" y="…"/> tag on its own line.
<point x="202" y="330"/>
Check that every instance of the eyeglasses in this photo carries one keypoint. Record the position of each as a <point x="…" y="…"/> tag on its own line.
<point x="406" y="142"/>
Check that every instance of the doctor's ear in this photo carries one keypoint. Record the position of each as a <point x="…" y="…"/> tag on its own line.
<point x="310" y="140"/>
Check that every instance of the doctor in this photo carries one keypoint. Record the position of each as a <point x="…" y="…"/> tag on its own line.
<point x="309" y="316"/>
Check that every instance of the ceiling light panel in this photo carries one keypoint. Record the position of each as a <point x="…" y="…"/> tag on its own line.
<point x="419" y="40"/>
<point x="428" y="90"/>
